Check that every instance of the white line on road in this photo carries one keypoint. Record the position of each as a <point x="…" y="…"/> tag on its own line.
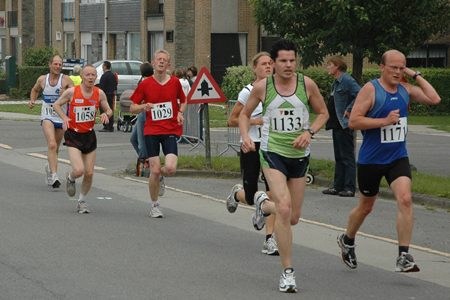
<point x="305" y="220"/>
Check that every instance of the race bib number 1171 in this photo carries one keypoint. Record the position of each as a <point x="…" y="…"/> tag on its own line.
<point x="394" y="133"/>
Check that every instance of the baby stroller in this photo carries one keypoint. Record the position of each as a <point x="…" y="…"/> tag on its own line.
<point x="126" y="119"/>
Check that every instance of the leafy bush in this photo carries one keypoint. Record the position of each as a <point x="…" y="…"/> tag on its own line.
<point x="39" y="56"/>
<point x="237" y="77"/>
<point x="235" y="80"/>
<point x="15" y="93"/>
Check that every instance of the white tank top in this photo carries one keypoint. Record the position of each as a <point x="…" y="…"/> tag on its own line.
<point x="255" y="130"/>
<point x="49" y="95"/>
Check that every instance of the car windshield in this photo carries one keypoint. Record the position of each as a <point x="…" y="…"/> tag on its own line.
<point x="96" y="64"/>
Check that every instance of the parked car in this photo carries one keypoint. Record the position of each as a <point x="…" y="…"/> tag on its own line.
<point x="128" y="71"/>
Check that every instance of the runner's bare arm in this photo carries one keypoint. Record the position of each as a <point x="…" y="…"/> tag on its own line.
<point x="363" y="103"/>
<point x="316" y="101"/>
<point x="35" y="90"/>
<point x="424" y="93"/>
<point x="67" y="82"/>
<point x="65" y="98"/>
<point x="255" y="97"/>
<point x="233" y="120"/>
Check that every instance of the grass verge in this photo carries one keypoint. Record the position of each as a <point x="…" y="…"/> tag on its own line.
<point x="422" y="183"/>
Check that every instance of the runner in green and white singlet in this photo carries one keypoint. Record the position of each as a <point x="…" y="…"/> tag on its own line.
<point x="285" y="118"/>
<point x="285" y="137"/>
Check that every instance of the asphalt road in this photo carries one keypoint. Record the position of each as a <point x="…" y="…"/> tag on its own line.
<point x="198" y="250"/>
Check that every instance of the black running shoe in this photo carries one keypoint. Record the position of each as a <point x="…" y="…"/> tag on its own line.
<point x="347" y="252"/>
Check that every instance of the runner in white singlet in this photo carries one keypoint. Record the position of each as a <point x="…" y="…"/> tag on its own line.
<point x="52" y="84"/>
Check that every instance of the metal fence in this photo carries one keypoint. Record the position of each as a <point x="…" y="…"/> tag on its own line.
<point x="233" y="134"/>
<point x="191" y="127"/>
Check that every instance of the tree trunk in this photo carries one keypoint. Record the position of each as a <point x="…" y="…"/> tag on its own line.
<point x="357" y="67"/>
<point x="357" y="75"/>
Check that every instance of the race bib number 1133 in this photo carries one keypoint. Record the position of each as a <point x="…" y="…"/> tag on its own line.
<point x="287" y="120"/>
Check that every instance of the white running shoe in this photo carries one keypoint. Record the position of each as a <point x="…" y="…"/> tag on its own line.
<point x="287" y="281"/>
<point x="82" y="207"/>
<point x="48" y="179"/>
<point x="55" y="181"/>
<point x="270" y="247"/>
<point x="156" y="212"/>
<point x="258" y="217"/>
<point x="162" y="186"/>
<point x="231" y="202"/>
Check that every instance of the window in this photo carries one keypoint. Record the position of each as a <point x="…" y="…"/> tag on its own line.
<point x="134" y="46"/>
<point x="70" y="46"/>
<point x="120" y="68"/>
<point x="156" y="42"/>
<point x="135" y="68"/>
<point x="434" y="55"/>
<point x="161" y="6"/>
<point x="68" y="12"/>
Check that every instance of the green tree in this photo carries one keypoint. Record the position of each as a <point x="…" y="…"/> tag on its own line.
<point x="364" y="28"/>
<point x="39" y="56"/>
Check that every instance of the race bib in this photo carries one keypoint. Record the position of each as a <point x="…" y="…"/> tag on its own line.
<point x="394" y="133"/>
<point x="84" y="114"/>
<point x="287" y="119"/>
<point x="48" y="109"/>
<point x="162" y="111"/>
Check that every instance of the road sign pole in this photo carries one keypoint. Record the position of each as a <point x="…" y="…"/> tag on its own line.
<point x="207" y="136"/>
<point x="204" y="90"/>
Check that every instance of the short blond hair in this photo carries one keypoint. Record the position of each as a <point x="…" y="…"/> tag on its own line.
<point x="161" y="51"/>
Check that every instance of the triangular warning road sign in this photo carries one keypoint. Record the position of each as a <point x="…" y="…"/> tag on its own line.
<point x="205" y="89"/>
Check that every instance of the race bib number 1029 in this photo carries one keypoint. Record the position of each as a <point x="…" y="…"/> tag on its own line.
<point x="84" y="114"/>
<point x="162" y="111"/>
<point x="394" y="133"/>
<point x="287" y="119"/>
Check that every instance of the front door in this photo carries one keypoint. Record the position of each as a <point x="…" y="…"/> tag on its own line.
<point x="225" y="52"/>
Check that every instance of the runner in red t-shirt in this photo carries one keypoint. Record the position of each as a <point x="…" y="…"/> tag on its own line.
<point x="83" y="102"/>
<point x="158" y="95"/>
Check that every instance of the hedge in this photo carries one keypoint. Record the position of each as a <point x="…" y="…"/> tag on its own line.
<point x="238" y="77"/>
<point x="25" y="80"/>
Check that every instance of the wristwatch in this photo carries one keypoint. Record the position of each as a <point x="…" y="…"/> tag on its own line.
<point x="310" y="131"/>
<point x="182" y="113"/>
<point x="106" y="113"/>
<point x="417" y="74"/>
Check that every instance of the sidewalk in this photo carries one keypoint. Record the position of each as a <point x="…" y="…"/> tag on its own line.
<point x="385" y="193"/>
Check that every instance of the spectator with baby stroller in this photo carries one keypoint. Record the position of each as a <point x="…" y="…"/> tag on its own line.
<point x="137" y="135"/>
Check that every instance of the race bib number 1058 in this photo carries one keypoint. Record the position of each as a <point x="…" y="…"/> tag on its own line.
<point x="162" y="111"/>
<point x="394" y="133"/>
<point x="84" y="113"/>
<point x="287" y="120"/>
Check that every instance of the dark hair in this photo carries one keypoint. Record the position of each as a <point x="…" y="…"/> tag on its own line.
<point x="193" y="70"/>
<point x="339" y="62"/>
<point x="282" y="44"/>
<point x="107" y="64"/>
<point x="178" y="73"/>
<point x="146" y="69"/>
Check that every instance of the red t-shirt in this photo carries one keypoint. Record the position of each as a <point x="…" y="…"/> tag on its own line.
<point x="162" y="119"/>
<point x="82" y="111"/>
